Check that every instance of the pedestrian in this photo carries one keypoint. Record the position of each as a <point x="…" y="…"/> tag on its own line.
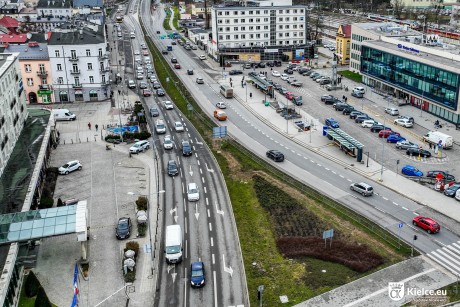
<point x="230" y="80"/>
<point x="430" y="145"/>
<point x="343" y="97"/>
<point x="346" y="99"/>
<point x="231" y="85"/>
<point x="96" y="126"/>
<point x="250" y="95"/>
<point x="89" y="126"/>
<point x="242" y="84"/>
<point x="271" y="68"/>
<point x="119" y="92"/>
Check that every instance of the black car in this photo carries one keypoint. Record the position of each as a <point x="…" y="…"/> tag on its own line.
<point x="340" y="106"/>
<point x="235" y="72"/>
<point x="288" y="71"/>
<point x="331" y="100"/>
<point x="164" y="51"/>
<point x="347" y="110"/>
<point x="354" y="114"/>
<point x="417" y="151"/>
<point x="452" y="190"/>
<point x="324" y="97"/>
<point x="302" y="70"/>
<point x="447" y="177"/>
<point x="158" y="32"/>
<point x="160" y="92"/>
<point x="261" y="65"/>
<point x="173" y="60"/>
<point x="275" y="155"/>
<point x="277" y="86"/>
<point x="377" y="128"/>
<point x="189" y="71"/>
<point x="277" y="63"/>
<point x="172" y="168"/>
<point x="271" y="64"/>
<point x="123" y="230"/>
<point x="360" y="118"/>
<point x="186" y="148"/>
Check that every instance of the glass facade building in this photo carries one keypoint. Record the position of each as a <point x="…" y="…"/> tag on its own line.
<point x="436" y="85"/>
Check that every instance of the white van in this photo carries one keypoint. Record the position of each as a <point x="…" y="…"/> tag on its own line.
<point x="131" y="84"/>
<point x="434" y="137"/>
<point x="160" y="126"/>
<point x="173" y="244"/>
<point x="132" y="35"/>
<point x="63" y="114"/>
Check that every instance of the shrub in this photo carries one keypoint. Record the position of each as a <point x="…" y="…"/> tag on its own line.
<point x="42" y="299"/>
<point x="112" y="137"/>
<point x="130" y="276"/>
<point x="59" y="202"/>
<point x="46" y="202"/>
<point x="142" y="229"/>
<point x="142" y="203"/>
<point x="137" y="135"/>
<point x="132" y="245"/>
<point x="31" y="285"/>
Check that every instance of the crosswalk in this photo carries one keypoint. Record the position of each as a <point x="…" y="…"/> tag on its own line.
<point x="448" y="257"/>
<point x="429" y="160"/>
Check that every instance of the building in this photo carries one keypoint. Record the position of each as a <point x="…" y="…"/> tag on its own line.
<point x="343" y="39"/>
<point x="79" y="61"/>
<point x="258" y="32"/>
<point x="35" y="71"/>
<point x="199" y="36"/>
<point x="54" y="8"/>
<point x="13" y="112"/>
<point x="198" y="10"/>
<point x="361" y="32"/>
<point x="425" y="74"/>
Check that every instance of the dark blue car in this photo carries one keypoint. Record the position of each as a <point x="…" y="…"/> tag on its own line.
<point x="197" y="275"/>
<point x="395" y="138"/>
<point x="410" y="170"/>
<point x="331" y="123"/>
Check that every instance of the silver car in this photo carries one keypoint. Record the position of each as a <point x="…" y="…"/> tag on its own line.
<point x="405" y="145"/>
<point x="362" y="188"/>
<point x="70" y="167"/>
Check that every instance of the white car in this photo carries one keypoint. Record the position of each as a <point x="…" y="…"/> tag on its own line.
<point x="178" y="127"/>
<point x="276" y="73"/>
<point x="262" y="76"/>
<point x="221" y="105"/>
<point x="202" y="57"/>
<point x="139" y="146"/>
<point x="403" y="122"/>
<point x="359" y="89"/>
<point x="70" y="167"/>
<point x="193" y="194"/>
<point x="367" y="123"/>
<point x="168" y="105"/>
<point x="167" y="143"/>
<point x="457" y="195"/>
<point x="136" y="52"/>
<point x="284" y="77"/>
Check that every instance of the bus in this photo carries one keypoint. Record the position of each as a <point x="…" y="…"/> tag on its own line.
<point x="226" y="91"/>
<point x="119" y="19"/>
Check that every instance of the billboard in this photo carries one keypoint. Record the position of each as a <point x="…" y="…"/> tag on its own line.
<point x="299" y="54"/>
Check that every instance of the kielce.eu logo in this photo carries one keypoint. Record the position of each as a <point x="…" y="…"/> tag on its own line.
<point x="396" y="290"/>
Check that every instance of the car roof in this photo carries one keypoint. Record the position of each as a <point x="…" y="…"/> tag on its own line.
<point x="197" y="265"/>
<point x="192" y="185"/>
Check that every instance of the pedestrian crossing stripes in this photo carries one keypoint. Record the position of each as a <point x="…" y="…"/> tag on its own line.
<point x="448" y="257"/>
<point x="429" y="160"/>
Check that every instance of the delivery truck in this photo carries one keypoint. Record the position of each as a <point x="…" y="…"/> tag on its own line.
<point x="173" y="244"/>
<point x="436" y="137"/>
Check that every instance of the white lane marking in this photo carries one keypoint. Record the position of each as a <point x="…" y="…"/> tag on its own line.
<point x="210" y="227"/>
<point x="395" y="204"/>
<point x="341" y="176"/>
<point x="213" y="258"/>
<point x="205" y="190"/>
<point x="215" y="289"/>
<point x="212" y="242"/>
<point x="349" y="180"/>
<point x="209" y="213"/>
<point x="207" y="201"/>
<point x="201" y="171"/>
<point x="198" y="162"/>
<point x="202" y="179"/>
<point x="384" y="198"/>
<point x="334" y="172"/>
<point x="405" y="208"/>
<point x="327" y="169"/>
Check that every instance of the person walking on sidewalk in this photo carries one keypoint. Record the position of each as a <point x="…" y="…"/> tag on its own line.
<point x="96" y="126"/>
<point x="89" y="126"/>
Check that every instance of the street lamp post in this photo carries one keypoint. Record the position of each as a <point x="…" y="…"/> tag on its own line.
<point x="367" y="163"/>
<point x="383" y="150"/>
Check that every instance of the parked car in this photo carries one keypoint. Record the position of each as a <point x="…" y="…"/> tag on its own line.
<point x="172" y="168"/>
<point x="288" y="71"/>
<point x="357" y="94"/>
<point x="139" y="146"/>
<point x="123" y="230"/>
<point x="452" y="190"/>
<point x="426" y="223"/>
<point x="331" y="123"/>
<point x="324" y="97"/>
<point x="362" y="117"/>
<point x="197" y="275"/>
<point x="362" y="188"/>
<point x="417" y="151"/>
<point x="403" y="122"/>
<point x="446" y="176"/>
<point x="331" y="100"/>
<point x="409" y="118"/>
<point x="385" y="133"/>
<point x="275" y="155"/>
<point x="354" y="114"/>
<point x="377" y="127"/>
<point x="392" y="111"/>
<point x="289" y="95"/>
<point x="70" y="167"/>
<point x="394" y="138"/>
<point x="325" y="81"/>
<point x="202" y="57"/>
<point x="339" y="106"/>
<point x="359" y="89"/>
<point x="167" y="142"/>
<point x="276" y="73"/>
<point x="368" y="123"/>
<point x="347" y="110"/>
<point x="235" y="72"/>
<point x="410" y="170"/>
<point x="186" y="148"/>
<point x="405" y="144"/>
<point x="193" y="194"/>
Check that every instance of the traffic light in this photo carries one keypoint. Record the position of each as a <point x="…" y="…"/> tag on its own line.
<point x="415" y="237"/>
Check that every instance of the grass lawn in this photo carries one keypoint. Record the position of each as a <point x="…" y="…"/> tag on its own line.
<point x="25" y="301"/>
<point x="166" y="20"/>
<point x="351" y="75"/>
<point x="176" y="18"/>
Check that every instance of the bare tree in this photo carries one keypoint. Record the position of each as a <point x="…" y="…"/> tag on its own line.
<point x="398" y="7"/>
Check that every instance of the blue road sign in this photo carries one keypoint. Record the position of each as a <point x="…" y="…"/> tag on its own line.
<point x="400" y="225"/>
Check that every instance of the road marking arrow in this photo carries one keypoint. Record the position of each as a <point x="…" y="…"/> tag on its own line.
<point x="229" y="269"/>
<point x="172" y="211"/>
<point x="173" y="275"/>
<point x="209" y="169"/>
<point x="199" y="143"/>
<point x="196" y="211"/>
<point x="219" y="211"/>
<point x="191" y="172"/>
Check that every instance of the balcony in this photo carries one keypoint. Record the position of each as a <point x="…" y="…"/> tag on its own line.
<point x="75" y="72"/>
<point x="103" y="57"/>
<point x="77" y="85"/>
<point x="45" y="87"/>
<point x="105" y="69"/>
<point x="42" y="73"/>
<point x="73" y="59"/>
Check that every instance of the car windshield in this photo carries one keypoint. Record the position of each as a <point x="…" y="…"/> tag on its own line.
<point x="160" y="126"/>
<point x="66" y="165"/>
<point x="173" y="249"/>
<point x="197" y="273"/>
<point x="123" y="225"/>
<point x="193" y="191"/>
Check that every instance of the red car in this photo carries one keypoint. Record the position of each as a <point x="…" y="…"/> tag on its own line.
<point x="177" y="66"/>
<point x="289" y="95"/>
<point x="146" y="93"/>
<point x="145" y="53"/>
<point x="426" y="223"/>
<point x="386" y="133"/>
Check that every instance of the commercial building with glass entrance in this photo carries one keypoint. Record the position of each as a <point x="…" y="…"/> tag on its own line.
<point x="423" y="76"/>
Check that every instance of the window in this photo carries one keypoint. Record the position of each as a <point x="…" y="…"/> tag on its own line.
<point x="220" y="21"/>
<point x="251" y="12"/>
<point x="251" y="35"/>
<point x="235" y="28"/>
<point x="243" y="20"/>
<point x="294" y="26"/>
<point x="100" y="51"/>
<point x="221" y="37"/>
<point x="280" y="12"/>
<point x="280" y="19"/>
<point x="59" y="67"/>
<point x="227" y="13"/>
<point x="251" y="28"/>
<point x="227" y="37"/>
<point x="27" y="68"/>
<point x="44" y="81"/>
<point x="219" y="13"/>
<point x="91" y="79"/>
<point x="280" y="27"/>
<point x="220" y="29"/>
<point x="287" y="18"/>
<point x="90" y="66"/>
<point x="287" y="26"/>
<point x="280" y="34"/>
<point x="257" y="35"/>
<point x="243" y="13"/>
<point x="75" y="67"/>
<point x="257" y="12"/>
<point x="287" y="11"/>
<point x="257" y="27"/>
<point x="103" y="78"/>
<point x="235" y="20"/>
<point x="265" y="27"/>
<point x="294" y="18"/>
<point x="88" y="52"/>
<point x="257" y="20"/>
<point x="265" y="19"/>
<point x="227" y="29"/>
<point x="56" y="53"/>
<point x="236" y="36"/>
<point x="265" y="11"/>
<point x="227" y="20"/>
<point x="60" y="80"/>
<point x="243" y="28"/>
<point x="235" y="12"/>
<point x="77" y="81"/>
<point x="243" y="36"/>
<point x="30" y="82"/>
<point x="251" y="20"/>
<point x="286" y="34"/>
<point x="295" y="11"/>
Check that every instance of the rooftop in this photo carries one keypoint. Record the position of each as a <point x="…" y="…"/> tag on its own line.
<point x="26" y="52"/>
<point x="77" y="37"/>
<point x="87" y="3"/>
<point x="390" y="29"/>
<point x="50" y="4"/>
<point x="9" y="22"/>
<point x="13" y="38"/>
